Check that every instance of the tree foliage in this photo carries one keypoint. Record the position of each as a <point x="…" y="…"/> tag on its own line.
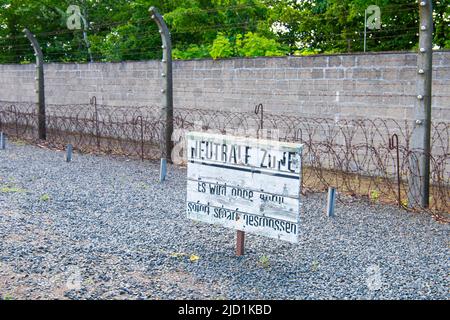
<point x="120" y="30"/>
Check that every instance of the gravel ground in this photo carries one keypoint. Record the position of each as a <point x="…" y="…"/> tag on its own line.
<point x="104" y="228"/>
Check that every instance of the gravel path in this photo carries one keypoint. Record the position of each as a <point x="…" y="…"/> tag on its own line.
<point x="104" y="228"/>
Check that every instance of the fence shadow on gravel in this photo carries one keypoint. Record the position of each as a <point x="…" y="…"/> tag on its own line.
<point x="357" y="156"/>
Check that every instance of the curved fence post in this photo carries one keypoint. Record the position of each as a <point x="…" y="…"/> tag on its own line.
<point x="167" y="89"/>
<point x="40" y="88"/>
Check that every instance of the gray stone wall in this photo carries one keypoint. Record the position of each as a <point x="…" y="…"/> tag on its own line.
<point x="358" y="85"/>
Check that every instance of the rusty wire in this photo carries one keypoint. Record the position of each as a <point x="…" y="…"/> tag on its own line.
<point x="357" y="156"/>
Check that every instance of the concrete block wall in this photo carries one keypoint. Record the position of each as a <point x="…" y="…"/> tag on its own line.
<point x="351" y="85"/>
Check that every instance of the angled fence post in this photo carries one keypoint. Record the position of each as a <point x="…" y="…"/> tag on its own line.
<point x="419" y="182"/>
<point x="167" y="89"/>
<point x="42" y="128"/>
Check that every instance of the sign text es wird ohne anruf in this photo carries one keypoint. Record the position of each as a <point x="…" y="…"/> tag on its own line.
<point x="252" y="185"/>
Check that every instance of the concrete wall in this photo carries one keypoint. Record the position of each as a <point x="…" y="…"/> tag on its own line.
<point x="367" y="85"/>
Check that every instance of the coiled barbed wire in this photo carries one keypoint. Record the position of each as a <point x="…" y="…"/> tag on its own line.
<point x="353" y="155"/>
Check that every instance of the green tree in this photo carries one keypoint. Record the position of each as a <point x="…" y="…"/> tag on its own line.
<point x="254" y="45"/>
<point x="222" y="47"/>
<point x="122" y="29"/>
<point x="331" y="26"/>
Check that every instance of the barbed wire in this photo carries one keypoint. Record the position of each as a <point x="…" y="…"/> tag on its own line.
<point x="96" y="26"/>
<point x="353" y="155"/>
<point x="131" y="51"/>
<point x="216" y="27"/>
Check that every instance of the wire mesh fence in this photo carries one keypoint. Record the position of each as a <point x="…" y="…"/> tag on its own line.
<point x="360" y="157"/>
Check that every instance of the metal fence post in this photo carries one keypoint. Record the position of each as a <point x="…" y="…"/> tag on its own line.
<point x="393" y="145"/>
<point x="40" y="88"/>
<point x="2" y="141"/>
<point x="142" y="137"/>
<point x="93" y="102"/>
<point x="259" y="108"/>
<point x="419" y="182"/>
<point x="331" y="201"/>
<point x="69" y="151"/>
<point x="163" y="170"/>
<point x="167" y="89"/>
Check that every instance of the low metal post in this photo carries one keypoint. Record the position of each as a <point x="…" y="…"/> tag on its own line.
<point x="69" y="151"/>
<point x="163" y="170"/>
<point x="331" y="201"/>
<point x="2" y="141"/>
